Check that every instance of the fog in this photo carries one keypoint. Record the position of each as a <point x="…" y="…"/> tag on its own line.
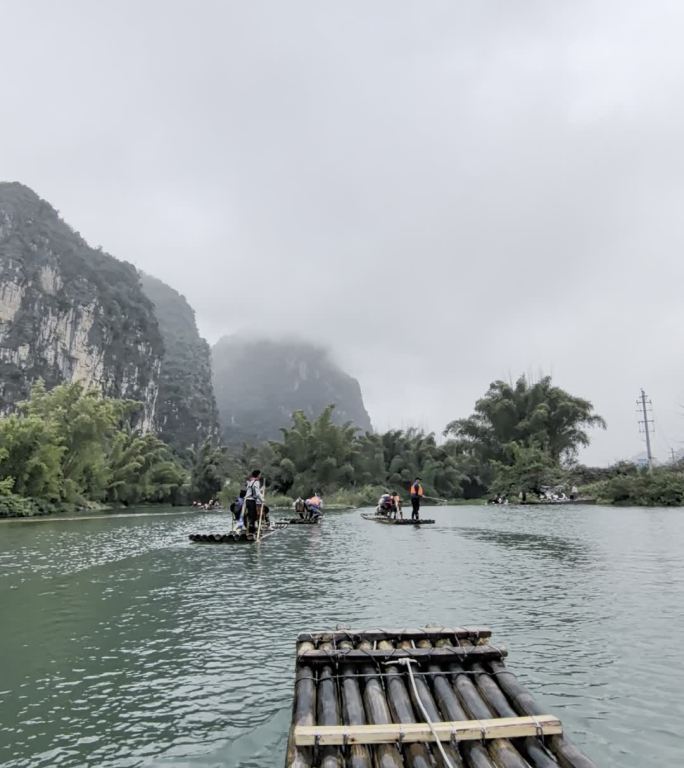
<point x="443" y="193"/>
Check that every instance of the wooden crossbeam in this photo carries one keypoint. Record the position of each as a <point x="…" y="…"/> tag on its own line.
<point x="424" y="633"/>
<point x="479" y="653"/>
<point x="460" y="730"/>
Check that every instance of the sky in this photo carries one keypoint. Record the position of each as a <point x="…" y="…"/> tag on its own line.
<point x="444" y="193"/>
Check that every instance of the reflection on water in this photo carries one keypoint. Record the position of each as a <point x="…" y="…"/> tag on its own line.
<point x="125" y="645"/>
<point x="564" y="550"/>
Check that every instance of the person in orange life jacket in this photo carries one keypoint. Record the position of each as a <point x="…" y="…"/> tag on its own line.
<point x="254" y="499"/>
<point x="416" y="491"/>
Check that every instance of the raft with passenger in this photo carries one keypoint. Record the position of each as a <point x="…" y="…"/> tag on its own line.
<point x="237" y="535"/>
<point x="378" y="518"/>
<point x="435" y="696"/>
<point x="308" y="511"/>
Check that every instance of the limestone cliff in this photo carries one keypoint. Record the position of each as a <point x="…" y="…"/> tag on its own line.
<point x="69" y="312"/>
<point x="186" y="408"/>
<point x="259" y="383"/>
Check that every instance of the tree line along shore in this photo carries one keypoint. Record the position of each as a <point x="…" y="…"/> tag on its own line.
<point x="70" y="449"/>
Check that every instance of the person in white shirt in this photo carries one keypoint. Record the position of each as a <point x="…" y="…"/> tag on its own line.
<point x="254" y="499"/>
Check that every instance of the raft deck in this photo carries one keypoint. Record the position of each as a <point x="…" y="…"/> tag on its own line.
<point x="417" y="698"/>
<point x="396" y="521"/>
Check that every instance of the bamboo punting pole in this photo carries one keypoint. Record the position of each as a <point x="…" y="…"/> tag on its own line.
<point x="417" y="755"/>
<point x="328" y="712"/>
<point x="377" y="712"/>
<point x="352" y="707"/>
<point x="304" y="709"/>
<point x="565" y="752"/>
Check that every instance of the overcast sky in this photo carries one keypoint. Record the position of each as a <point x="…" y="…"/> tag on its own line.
<point x="445" y="193"/>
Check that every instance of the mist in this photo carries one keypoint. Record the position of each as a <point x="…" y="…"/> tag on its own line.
<point x="441" y="193"/>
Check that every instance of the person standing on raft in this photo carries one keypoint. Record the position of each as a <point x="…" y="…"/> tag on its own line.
<point x="254" y="500"/>
<point x="416" y="491"/>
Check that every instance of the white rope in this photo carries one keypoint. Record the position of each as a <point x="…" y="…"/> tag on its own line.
<point x="407" y="663"/>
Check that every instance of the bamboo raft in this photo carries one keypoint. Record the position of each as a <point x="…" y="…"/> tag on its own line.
<point x="417" y="698"/>
<point x="304" y="521"/>
<point x="235" y="536"/>
<point x="394" y="521"/>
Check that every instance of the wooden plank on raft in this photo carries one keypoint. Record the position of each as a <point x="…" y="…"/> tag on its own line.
<point x="460" y="730"/>
<point x="426" y="633"/>
<point x="445" y="653"/>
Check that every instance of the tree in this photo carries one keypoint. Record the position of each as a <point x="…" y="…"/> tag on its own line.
<point x="531" y="415"/>
<point x="529" y="469"/>
<point x="208" y="463"/>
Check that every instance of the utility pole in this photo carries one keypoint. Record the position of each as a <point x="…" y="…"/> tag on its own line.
<point x="674" y="458"/>
<point x="647" y="424"/>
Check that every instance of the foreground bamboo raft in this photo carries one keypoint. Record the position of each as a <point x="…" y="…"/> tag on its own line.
<point x="422" y="698"/>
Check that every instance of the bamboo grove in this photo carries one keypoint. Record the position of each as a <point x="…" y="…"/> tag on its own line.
<point x="71" y="447"/>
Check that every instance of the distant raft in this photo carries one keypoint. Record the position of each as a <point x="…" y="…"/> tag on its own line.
<point x="235" y="537"/>
<point x="417" y="698"/>
<point x="395" y="521"/>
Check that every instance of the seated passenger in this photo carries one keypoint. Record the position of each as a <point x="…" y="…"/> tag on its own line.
<point x="385" y="504"/>
<point x="314" y="505"/>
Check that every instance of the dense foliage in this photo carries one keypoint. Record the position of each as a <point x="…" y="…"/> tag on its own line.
<point x="74" y="446"/>
<point x="327" y="457"/>
<point x="520" y="435"/>
<point x="629" y="485"/>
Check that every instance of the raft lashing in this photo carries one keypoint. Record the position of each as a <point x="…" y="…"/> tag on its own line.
<point x="396" y="521"/>
<point x="420" y="698"/>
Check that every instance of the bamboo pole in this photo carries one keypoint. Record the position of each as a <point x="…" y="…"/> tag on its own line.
<point x="303" y="714"/>
<point x="352" y="705"/>
<point x="428" y="703"/>
<point x="417" y="755"/>
<point x="474" y="634"/>
<point x="533" y="747"/>
<point x="565" y="752"/>
<point x="377" y="712"/>
<point x="261" y="511"/>
<point x="501" y="750"/>
<point x="445" y="653"/>
<point x="474" y="754"/>
<point x="328" y="712"/>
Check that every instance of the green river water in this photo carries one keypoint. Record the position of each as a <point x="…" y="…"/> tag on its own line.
<point x="125" y="645"/>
